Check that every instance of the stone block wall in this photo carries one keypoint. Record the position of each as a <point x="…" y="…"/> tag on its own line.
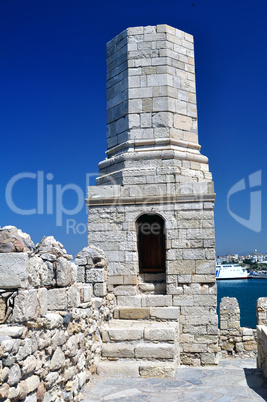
<point x="189" y="283"/>
<point x="262" y="348"/>
<point x="261" y="309"/>
<point x="151" y="93"/>
<point x="262" y="334"/>
<point x="52" y="311"/>
<point x="154" y="166"/>
<point x="234" y="340"/>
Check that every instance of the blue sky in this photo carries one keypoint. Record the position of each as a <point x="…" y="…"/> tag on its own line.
<point x="53" y="105"/>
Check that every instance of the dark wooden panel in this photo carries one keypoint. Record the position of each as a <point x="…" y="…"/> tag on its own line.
<point x="151" y="243"/>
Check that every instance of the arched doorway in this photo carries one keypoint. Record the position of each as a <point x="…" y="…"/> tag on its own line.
<point x="151" y="244"/>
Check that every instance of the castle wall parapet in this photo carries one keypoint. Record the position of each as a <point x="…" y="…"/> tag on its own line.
<point x="51" y="313"/>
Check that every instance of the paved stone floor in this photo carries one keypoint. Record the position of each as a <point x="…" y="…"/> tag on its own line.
<point x="232" y="380"/>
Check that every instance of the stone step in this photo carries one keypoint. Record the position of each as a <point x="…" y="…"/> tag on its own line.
<point x="136" y="369"/>
<point x="146" y="313"/>
<point x="141" y="350"/>
<point x="129" y="330"/>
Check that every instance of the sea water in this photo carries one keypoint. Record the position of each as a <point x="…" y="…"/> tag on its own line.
<point x="246" y="291"/>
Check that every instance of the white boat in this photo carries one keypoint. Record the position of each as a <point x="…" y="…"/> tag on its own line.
<point x="231" y="271"/>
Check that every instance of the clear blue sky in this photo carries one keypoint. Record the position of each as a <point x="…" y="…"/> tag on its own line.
<point x="53" y="102"/>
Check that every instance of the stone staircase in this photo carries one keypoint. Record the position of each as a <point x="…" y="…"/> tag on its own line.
<point x="136" y="347"/>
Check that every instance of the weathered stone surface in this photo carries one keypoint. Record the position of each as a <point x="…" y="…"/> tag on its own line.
<point x="81" y="274"/>
<point x="40" y="392"/>
<point x="4" y="390"/>
<point x="57" y="299"/>
<point x="63" y="272"/>
<point x="124" y="334"/>
<point x="106" y="368"/>
<point x="4" y="374"/>
<point x="73" y="295"/>
<point x="51" y="378"/>
<point x="118" y="350"/>
<point x="157" y="301"/>
<point x="14" y="375"/>
<point x="134" y="313"/>
<point x="167" y="313"/>
<point x="14" y="240"/>
<point x="50" y="247"/>
<point x="32" y="383"/>
<point x="72" y="345"/>
<point x="93" y="255"/>
<point x="29" y="365"/>
<point x="125" y="290"/>
<point x="13" y="270"/>
<point x="2" y="309"/>
<point x="57" y="360"/>
<point x="50" y="280"/>
<point x="13" y="393"/>
<point x="38" y="271"/>
<point x="95" y="275"/>
<point x="156" y="351"/>
<point x="25" y="307"/>
<point x="261" y="309"/>
<point x="100" y="289"/>
<point x="155" y="333"/>
<point x="13" y="331"/>
<point x="85" y="292"/>
<point x="49" y="257"/>
<point x="129" y="301"/>
<point x="149" y="369"/>
<point x="42" y="301"/>
<point x="23" y="389"/>
<point x="25" y="349"/>
<point x="250" y="345"/>
<point x="53" y="320"/>
<point x="31" y="398"/>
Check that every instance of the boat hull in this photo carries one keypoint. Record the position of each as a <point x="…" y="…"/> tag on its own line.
<point x="229" y="279"/>
<point x="230" y="271"/>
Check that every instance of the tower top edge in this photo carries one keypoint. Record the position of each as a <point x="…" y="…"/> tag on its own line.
<point x="148" y="30"/>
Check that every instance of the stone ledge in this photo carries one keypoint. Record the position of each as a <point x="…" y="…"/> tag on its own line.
<point x="164" y="199"/>
<point x="143" y="313"/>
<point x="118" y="369"/>
<point x="134" y="369"/>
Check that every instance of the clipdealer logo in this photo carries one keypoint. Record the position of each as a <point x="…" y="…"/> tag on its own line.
<point x="255" y="208"/>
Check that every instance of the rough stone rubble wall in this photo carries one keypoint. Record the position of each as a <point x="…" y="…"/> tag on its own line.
<point x="262" y="348"/>
<point x="237" y="341"/>
<point x="50" y="342"/>
<point x="234" y="340"/>
<point x="262" y="334"/>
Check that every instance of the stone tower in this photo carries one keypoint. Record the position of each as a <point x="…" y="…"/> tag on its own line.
<point x="151" y="210"/>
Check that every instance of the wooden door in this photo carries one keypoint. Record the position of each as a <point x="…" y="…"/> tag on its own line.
<point x="151" y="243"/>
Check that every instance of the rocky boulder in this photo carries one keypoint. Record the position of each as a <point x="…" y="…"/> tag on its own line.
<point x="13" y="240"/>
<point x="50" y="247"/>
<point x="91" y="256"/>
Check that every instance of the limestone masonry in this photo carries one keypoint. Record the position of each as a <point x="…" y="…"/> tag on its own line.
<point x="58" y="324"/>
<point x="147" y="302"/>
<point x="155" y="177"/>
<point x="51" y="314"/>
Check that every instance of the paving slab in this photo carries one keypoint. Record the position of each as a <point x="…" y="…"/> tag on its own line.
<point x="231" y="380"/>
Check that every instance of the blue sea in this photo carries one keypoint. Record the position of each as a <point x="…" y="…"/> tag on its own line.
<point x="247" y="291"/>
